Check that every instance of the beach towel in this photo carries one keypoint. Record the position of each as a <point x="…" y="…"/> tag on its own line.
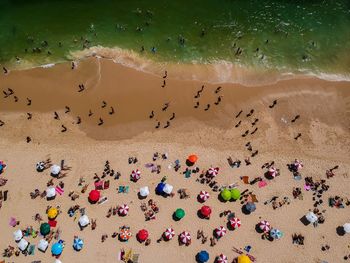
<point x="307" y="187"/>
<point x="13" y="222"/>
<point x="59" y="190"/>
<point x="245" y="179"/>
<point x="99" y="185"/>
<point x="31" y="250"/>
<point x="52" y="223"/>
<point x="262" y="184"/>
<point x="106" y="184"/>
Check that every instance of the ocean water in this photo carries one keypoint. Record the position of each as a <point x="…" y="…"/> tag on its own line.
<point x="288" y="35"/>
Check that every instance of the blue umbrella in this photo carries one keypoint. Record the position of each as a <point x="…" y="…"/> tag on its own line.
<point x="159" y="188"/>
<point x="78" y="244"/>
<point x="275" y="233"/>
<point x="57" y="249"/>
<point x="203" y="256"/>
<point x="250" y="207"/>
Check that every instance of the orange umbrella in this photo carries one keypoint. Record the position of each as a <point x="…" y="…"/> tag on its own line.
<point x="192" y="158"/>
<point x="124" y="234"/>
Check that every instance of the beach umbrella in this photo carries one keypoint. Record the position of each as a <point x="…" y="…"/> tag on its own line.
<point x="159" y="188"/>
<point x="55" y="169"/>
<point x="243" y="259"/>
<point x="272" y="172"/>
<point x="169" y="233"/>
<point x="235" y="222"/>
<point x="264" y="226"/>
<point x="346" y="227"/>
<point x="50" y="192"/>
<point x="180" y="213"/>
<point x="221" y="259"/>
<point x="276" y="233"/>
<point x="235" y="194"/>
<point x="40" y="166"/>
<point x="168" y="189"/>
<point x="135" y="175"/>
<point x="142" y="235"/>
<point x="203" y="256"/>
<point x="220" y="231"/>
<point x="57" y="261"/>
<point x="22" y="244"/>
<point x="192" y="158"/>
<point x="311" y="217"/>
<point x="125" y="234"/>
<point x="84" y="221"/>
<point x="17" y="235"/>
<point x="203" y="196"/>
<point x="298" y="164"/>
<point x="45" y="229"/>
<point x="94" y="195"/>
<point x="144" y="191"/>
<point x="226" y="194"/>
<point x="78" y="244"/>
<point x="206" y="211"/>
<point x="57" y="249"/>
<point x="52" y="213"/>
<point x="250" y="207"/>
<point x="185" y="237"/>
<point x="123" y="210"/>
<point x="213" y="171"/>
<point x="42" y="245"/>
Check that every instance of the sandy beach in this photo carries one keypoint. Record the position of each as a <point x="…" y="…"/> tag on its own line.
<point x="121" y="99"/>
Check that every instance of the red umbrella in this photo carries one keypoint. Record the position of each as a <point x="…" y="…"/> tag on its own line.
<point x="123" y="210"/>
<point x="220" y="231"/>
<point x="204" y="196"/>
<point x="272" y="171"/>
<point x="135" y="175"/>
<point x="169" y="233"/>
<point x="94" y="195"/>
<point x="235" y="222"/>
<point x="213" y="171"/>
<point x="185" y="237"/>
<point x="264" y="226"/>
<point x="142" y="235"/>
<point x="221" y="259"/>
<point x="206" y="211"/>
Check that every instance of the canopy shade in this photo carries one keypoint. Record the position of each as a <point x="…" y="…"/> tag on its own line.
<point x="84" y="221"/>
<point x="17" y="235"/>
<point x="42" y="245"/>
<point x="22" y="244"/>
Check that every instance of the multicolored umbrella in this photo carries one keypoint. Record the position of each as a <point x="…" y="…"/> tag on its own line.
<point x="40" y="166"/>
<point x="185" y="237"/>
<point x="125" y="234"/>
<point x="169" y="233"/>
<point x="142" y="235"/>
<point x="276" y="233"/>
<point x="123" y="210"/>
<point x="235" y="222"/>
<point x="78" y="244"/>
<point x="135" y="175"/>
<point x="264" y="226"/>
<point x="203" y="196"/>
<point x="206" y="211"/>
<point x="213" y="171"/>
<point x="221" y="259"/>
<point x="220" y="231"/>
<point x="273" y="172"/>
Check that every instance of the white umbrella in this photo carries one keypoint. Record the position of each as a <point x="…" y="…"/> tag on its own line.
<point x="264" y="226"/>
<point x="50" y="192"/>
<point x="311" y="217"/>
<point x="220" y="231"/>
<point x="55" y="169"/>
<point x="169" y="233"/>
<point x="203" y="196"/>
<point x="221" y="259"/>
<point x="144" y="191"/>
<point x="42" y="245"/>
<point x="58" y="261"/>
<point x="17" y="235"/>
<point x="123" y="210"/>
<point x="346" y="227"/>
<point x="84" y="221"/>
<point x="168" y="189"/>
<point x="135" y="175"/>
<point x="23" y="244"/>
<point x="185" y="237"/>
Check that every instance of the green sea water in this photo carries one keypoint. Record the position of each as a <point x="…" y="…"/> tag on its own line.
<point x="311" y="35"/>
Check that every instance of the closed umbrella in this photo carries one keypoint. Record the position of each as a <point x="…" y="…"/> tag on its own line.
<point x="159" y="188"/>
<point x="55" y="169"/>
<point x="225" y="194"/>
<point x="264" y="226"/>
<point x="45" y="229"/>
<point x="57" y="249"/>
<point x="235" y="222"/>
<point x="50" y="192"/>
<point x="276" y="233"/>
<point x="17" y="235"/>
<point x="94" y="196"/>
<point x="123" y="210"/>
<point x="78" y="244"/>
<point x="135" y="175"/>
<point x="169" y="233"/>
<point x="42" y="245"/>
<point x="144" y="191"/>
<point x="213" y="171"/>
<point x="206" y="211"/>
<point x="185" y="237"/>
<point x="311" y="217"/>
<point x="142" y="235"/>
<point x="243" y="259"/>
<point x="203" y="256"/>
<point x="125" y="234"/>
<point x="168" y="189"/>
<point x="179" y="213"/>
<point x="250" y="207"/>
<point x="22" y="244"/>
<point x="220" y="231"/>
<point x="52" y="213"/>
<point x="346" y="227"/>
<point x="235" y="194"/>
<point x="221" y="259"/>
<point x="203" y="196"/>
<point x="84" y="221"/>
<point x="40" y="166"/>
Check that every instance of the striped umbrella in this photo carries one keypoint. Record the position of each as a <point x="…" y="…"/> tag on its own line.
<point x="78" y="244"/>
<point x="185" y="237"/>
<point x="221" y="259"/>
<point x="203" y="196"/>
<point x="169" y="233"/>
<point x="125" y="234"/>
<point x="235" y="222"/>
<point x="123" y="210"/>
<point x="40" y="166"/>
<point x="213" y="171"/>
<point x="220" y="231"/>
<point x="298" y="164"/>
<point x="264" y="226"/>
<point x="276" y="233"/>
<point x="135" y="175"/>
<point x="273" y="172"/>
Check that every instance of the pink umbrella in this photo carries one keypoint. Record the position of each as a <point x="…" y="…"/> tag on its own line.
<point x="185" y="237"/>
<point x="298" y="164"/>
<point x="273" y="172"/>
<point x="203" y="196"/>
<point x="221" y="259"/>
<point x="213" y="171"/>
<point x="220" y="231"/>
<point x="264" y="226"/>
<point x="235" y="222"/>
<point x="123" y="210"/>
<point x="169" y="233"/>
<point x="135" y="175"/>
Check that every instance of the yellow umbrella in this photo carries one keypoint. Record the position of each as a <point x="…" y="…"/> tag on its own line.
<point x="52" y="213"/>
<point x="243" y="259"/>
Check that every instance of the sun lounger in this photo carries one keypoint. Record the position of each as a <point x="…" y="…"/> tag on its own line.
<point x="102" y="200"/>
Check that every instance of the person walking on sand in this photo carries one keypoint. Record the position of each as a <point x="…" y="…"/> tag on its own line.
<point x="2" y="123"/>
<point x="100" y="122"/>
<point x="166" y="105"/>
<point x="165" y="74"/>
<point x="151" y="115"/>
<point x="104" y="104"/>
<point x="207" y="108"/>
<point x="64" y="129"/>
<point x="90" y="113"/>
<point x="5" y="70"/>
<point x="56" y="116"/>
<point x="167" y="124"/>
<point x="78" y="120"/>
<point x="29" y="116"/>
<point x="111" y="112"/>
<point x="29" y="102"/>
<point x="67" y="109"/>
<point x="173" y="116"/>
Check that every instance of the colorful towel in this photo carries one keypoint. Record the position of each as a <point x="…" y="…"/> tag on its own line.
<point x="262" y="184"/>
<point x="99" y="185"/>
<point x="59" y="190"/>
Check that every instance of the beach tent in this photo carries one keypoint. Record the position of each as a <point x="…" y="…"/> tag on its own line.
<point x="206" y="211"/>
<point x="202" y="256"/>
<point x="52" y="213"/>
<point x="135" y="175"/>
<point x="123" y="210"/>
<point x="213" y="172"/>
<point x="225" y="194"/>
<point x="94" y="196"/>
<point x="272" y="172"/>
<point x="203" y="196"/>
<point x="250" y="207"/>
<point x="78" y="244"/>
<point x="220" y="231"/>
<point x="45" y="229"/>
<point x="142" y="235"/>
<point x="168" y="189"/>
<point x="264" y="226"/>
<point x="50" y="192"/>
<point x="17" y="235"/>
<point x="125" y="234"/>
<point x="235" y="222"/>
<point x="159" y="188"/>
<point x="42" y="245"/>
<point x="180" y="213"/>
<point x="185" y="237"/>
<point x="83" y="221"/>
<point x="243" y="259"/>
<point x="55" y="170"/>
<point x="311" y="217"/>
<point x="144" y="191"/>
<point x="57" y="249"/>
<point x="192" y="158"/>
<point x="23" y="244"/>
<point x="346" y="227"/>
<point x="235" y="194"/>
<point x="221" y="259"/>
<point x="169" y="233"/>
<point x="276" y="233"/>
<point x="40" y="166"/>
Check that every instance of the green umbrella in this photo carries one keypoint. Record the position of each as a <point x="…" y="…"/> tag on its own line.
<point x="179" y="213"/>
<point x="226" y="194"/>
<point x="235" y="194"/>
<point x="44" y="229"/>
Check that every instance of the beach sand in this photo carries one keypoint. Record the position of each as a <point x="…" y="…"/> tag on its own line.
<point x="324" y="108"/>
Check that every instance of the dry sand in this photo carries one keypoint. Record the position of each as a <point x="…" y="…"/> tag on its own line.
<point x="325" y="142"/>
